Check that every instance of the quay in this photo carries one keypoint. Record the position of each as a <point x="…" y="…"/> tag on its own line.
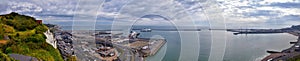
<point x="131" y="47"/>
<point x="151" y="47"/>
<point x="157" y="46"/>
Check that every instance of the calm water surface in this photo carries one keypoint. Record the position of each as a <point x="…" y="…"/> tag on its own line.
<point x="250" y="47"/>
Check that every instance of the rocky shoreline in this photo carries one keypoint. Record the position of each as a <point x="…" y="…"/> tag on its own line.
<point x="62" y="40"/>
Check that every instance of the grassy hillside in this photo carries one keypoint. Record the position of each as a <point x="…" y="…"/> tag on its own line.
<point x="22" y="35"/>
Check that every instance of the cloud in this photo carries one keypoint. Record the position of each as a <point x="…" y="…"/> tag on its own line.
<point x="259" y="12"/>
<point x="48" y="10"/>
<point x="286" y="5"/>
<point x="235" y="11"/>
<point x="25" y="7"/>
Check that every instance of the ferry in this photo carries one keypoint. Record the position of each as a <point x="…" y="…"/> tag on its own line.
<point x="146" y="30"/>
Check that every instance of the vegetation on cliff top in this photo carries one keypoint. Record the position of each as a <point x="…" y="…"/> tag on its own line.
<point x="21" y="34"/>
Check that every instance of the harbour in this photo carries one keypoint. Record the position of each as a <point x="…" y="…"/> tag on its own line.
<point x="285" y="55"/>
<point x="234" y="41"/>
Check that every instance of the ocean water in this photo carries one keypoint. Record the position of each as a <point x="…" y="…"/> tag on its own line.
<point x="250" y="47"/>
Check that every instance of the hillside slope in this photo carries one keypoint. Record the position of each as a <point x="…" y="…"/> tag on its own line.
<point x="20" y="34"/>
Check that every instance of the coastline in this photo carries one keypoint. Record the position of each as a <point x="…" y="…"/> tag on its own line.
<point x="285" y="54"/>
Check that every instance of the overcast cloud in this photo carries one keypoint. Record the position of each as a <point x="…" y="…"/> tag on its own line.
<point x="235" y="13"/>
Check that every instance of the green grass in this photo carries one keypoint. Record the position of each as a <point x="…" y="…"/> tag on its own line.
<point x="26" y="38"/>
<point x="45" y="53"/>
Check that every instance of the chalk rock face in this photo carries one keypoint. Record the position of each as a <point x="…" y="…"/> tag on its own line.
<point x="50" y="39"/>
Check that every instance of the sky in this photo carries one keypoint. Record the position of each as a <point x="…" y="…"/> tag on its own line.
<point x="213" y="13"/>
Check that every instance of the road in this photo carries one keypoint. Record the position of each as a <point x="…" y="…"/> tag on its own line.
<point x="84" y="47"/>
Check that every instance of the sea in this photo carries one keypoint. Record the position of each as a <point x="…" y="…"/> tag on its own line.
<point x="244" y="47"/>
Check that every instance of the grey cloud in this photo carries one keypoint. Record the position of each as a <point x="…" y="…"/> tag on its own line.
<point x="285" y="5"/>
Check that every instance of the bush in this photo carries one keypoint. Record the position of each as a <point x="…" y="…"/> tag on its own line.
<point x="72" y="58"/>
<point x="41" y="54"/>
<point x="26" y="38"/>
<point x="7" y="29"/>
<point x="19" y="22"/>
<point x="1" y="32"/>
<point x="4" y="57"/>
<point x="36" y="38"/>
<point x="8" y="50"/>
<point x="41" y="29"/>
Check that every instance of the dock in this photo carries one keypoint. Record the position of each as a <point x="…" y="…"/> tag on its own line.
<point x="147" y="47"/>
<point x="157" y="46"/>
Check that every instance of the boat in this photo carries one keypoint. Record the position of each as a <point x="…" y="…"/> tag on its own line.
<point x="146" y="30"/>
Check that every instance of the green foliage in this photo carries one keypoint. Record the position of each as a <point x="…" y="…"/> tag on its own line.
<point x="19" y="22"/>
<point x="8" y="50"/>
<point x="72" y="58"/>
<point x="8" y="29"/>
<point x="19" y="48"/>
<point x="42" y="54"/>
<point x="296" y="58"/>
<point x="4" y="57"/>
<point x="26" y="38"/>
<point x="44" y="48"/>
<point x="36" y="38"/>
<point x="1" y="32"/>
<point x="26" y="33"/>
<point x="4" y="46"/>
<point x="54" y="52"/>
<point x="41" y="29"/>
<point x="42" y="51"/>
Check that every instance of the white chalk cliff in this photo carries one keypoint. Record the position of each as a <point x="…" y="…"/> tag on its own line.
<point x="50" y="38"/>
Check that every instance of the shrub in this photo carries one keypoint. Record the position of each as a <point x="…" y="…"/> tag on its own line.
<point x="36" y="38"/>
<point x="26" y="37"/>
<point x="72" y="58"/>
<point x="41" y="29"/>
<point x="8" y="50"/>
<point x="4" y="57"/>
